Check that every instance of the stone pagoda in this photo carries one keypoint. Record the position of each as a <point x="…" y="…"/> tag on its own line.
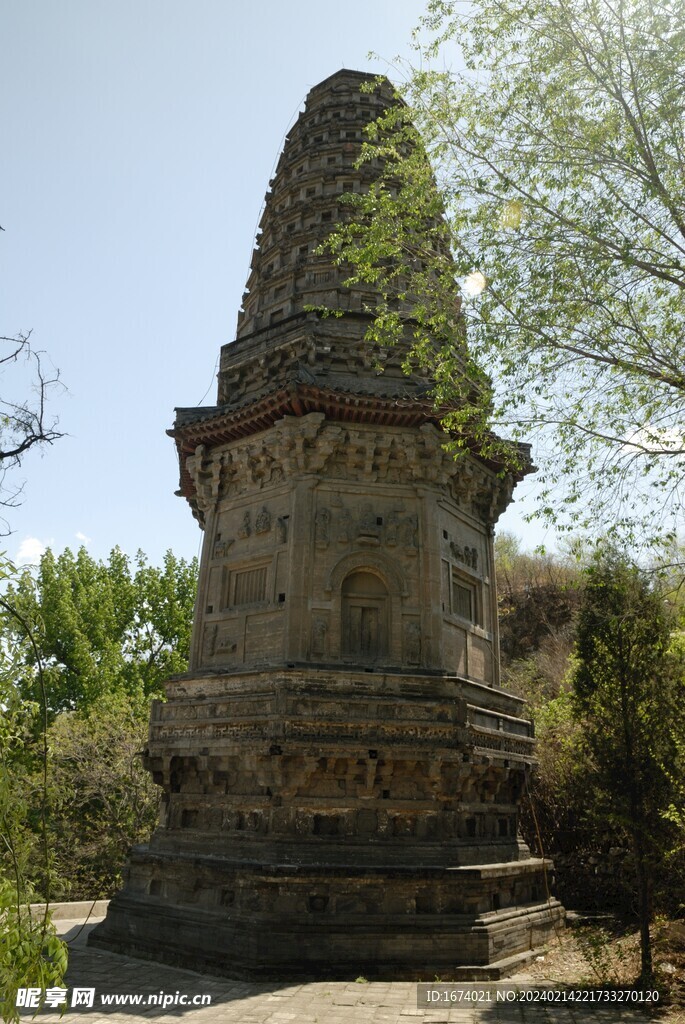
<point x="340" y="771"/>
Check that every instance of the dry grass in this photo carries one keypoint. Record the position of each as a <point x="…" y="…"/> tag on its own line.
<point x="611" y="956"/>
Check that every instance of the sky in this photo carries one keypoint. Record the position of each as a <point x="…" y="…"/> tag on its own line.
<point x="139" y="137"/>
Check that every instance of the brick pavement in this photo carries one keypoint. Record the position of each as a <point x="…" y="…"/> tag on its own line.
<point x="234" y="1002"/>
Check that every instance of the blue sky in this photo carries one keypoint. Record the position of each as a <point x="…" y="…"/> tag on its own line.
<point x="138" y="140"/>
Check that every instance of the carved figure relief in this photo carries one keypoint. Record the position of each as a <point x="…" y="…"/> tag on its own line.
<point x="261" y="465"/>
<point x="412" y="643"/>
<point x="336" y="467"/>
<point x="225" y="641"/>
<point x="218" y="640"/>
<point x="238" y="476"/>
<point x="368" y="530"/>
<point x="281" y="530"/>
<point x="392" y="529"/>
<point x="409" y="532"/>
<point x="466" y="555"/>
<point x="246" y="528"/>
<point x="221" y="547"/>
<point x="345" y="527"/>
<point x="209" y="640"/>
<point x="263" y="521"/>
<point x="228" y="481"/>
<point x="394" y="464"/>
<point x="370" y="527"/>
<point x="322" y="527"/>
<point x="319" y="630"/>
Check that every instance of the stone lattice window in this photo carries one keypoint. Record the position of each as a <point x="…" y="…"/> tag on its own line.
<point x="465" y="599"/>
<point x="250" y="586"/>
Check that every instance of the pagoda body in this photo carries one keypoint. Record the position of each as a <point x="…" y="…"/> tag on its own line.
<point x="341" y="772"/>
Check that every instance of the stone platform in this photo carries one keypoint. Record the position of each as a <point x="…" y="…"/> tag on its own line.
<point x="393" y="840"/>
<point x="337" y="929"/>
<point x="281" y="1002"/>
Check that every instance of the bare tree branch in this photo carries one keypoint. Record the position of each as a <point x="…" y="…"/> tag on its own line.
<point x="24" y="423"/>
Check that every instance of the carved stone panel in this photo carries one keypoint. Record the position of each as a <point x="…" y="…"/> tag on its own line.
<point x="412" y="642"/>
<point x="319" y="635"/>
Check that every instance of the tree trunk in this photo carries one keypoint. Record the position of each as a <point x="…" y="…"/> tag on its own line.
<point x="646" y="978"/>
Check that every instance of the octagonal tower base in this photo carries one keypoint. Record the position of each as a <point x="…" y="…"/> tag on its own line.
<point x="387" y="849"/>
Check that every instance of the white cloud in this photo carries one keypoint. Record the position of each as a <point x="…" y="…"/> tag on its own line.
<point x="82" y="537"/>
<point x="30" y="550"/>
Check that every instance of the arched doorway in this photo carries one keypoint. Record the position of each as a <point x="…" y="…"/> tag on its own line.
<point x="365" y="613"/>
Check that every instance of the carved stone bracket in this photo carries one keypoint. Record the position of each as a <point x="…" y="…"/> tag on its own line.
<point x="204" y="470"/>
<point x="311" y="445"/>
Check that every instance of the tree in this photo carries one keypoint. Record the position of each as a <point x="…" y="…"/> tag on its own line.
<point x="103" y="628"/>
<point x="559" y="158"/>
<point x="31" y="954"/>
<point x="567" y="815"/>
<point x="24" y="423"/>
<point x="628" y="691"/>
<point x="103" y="801"/>
<point x="86" y="644"/>
<point x="537" y="598"/>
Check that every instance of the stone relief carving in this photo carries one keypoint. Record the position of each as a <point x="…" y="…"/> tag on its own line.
<point x="368" y="528"/>
<point x="345" y="526"/>
<point x="217" y="639"/>
<point x="412" y="643"/>
<point x="311" y="445"/>
<point x="261" y="464"/>
<point x="319" y="630"/>
<point x="263" y="521"/>
<point x="322" y="522"/>
<point x="392" y="529"/>
<point x="221" y="547"/>
<point x="281" y="530"/>
<point x="246" y="528"/>
<point x="391" y="462"/>
<point x="225" y="641"/>
<point x="238" y="471"/>
<point x="409" y="535"/>
<point x="209" y="640"/>
<point x="468" y="556"/>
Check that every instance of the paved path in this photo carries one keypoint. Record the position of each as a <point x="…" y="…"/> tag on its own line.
<point x="235" y="1002"/>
